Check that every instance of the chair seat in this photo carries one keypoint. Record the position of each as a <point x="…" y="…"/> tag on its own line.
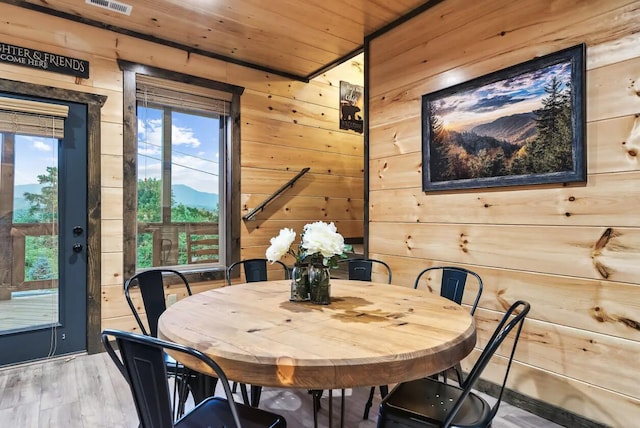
<point x="215" y="412"/>
<point x="427" y="402"/>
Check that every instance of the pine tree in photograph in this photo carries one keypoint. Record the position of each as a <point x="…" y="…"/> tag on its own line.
<point x="439" y="155"/>
<point x="551" y="151"/>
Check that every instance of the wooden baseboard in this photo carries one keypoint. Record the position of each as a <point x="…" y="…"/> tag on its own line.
<point x="547" y="411"/>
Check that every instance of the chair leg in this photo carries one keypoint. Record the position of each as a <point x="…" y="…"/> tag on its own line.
<point x="256" y="391"/>
<point x="384" y="390"/>
<point x="245" y="395"/>
<point x="445" y="374"/>
<point x="252" y="399"/>
<point x="331" y="408"/>
<point x="181" y="392"/>
<point x="201" y="386"/>
<point x="342" y="409"/>
<point x="458" y="369"/>
<point x="315" y="394"/>
<point x="175" y="405"/>
<point x="369" y="403"/>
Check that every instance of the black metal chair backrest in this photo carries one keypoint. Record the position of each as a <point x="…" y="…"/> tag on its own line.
<point x="362" y="269"/>
<point x="151" y="285"/>
<point x="255" y="270"/>
<point x="142" y="363"/>
<point x="452" y="285"/>
<point x="507" y="326"/>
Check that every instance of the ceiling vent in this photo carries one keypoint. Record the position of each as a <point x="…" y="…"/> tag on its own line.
<point x="116" y="6"/>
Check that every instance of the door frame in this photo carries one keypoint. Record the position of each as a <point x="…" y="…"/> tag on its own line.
<point x="94" y="103"/>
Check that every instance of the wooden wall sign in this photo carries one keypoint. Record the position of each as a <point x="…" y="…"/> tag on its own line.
<point x="32" y="58"/>
<point x="351" y="107"/>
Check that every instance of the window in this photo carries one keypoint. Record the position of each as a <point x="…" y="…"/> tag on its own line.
<point x="183" y="149"/>
<point x="29" y="133"/>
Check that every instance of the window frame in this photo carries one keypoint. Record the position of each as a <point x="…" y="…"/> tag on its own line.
<point x="231" y="197"/>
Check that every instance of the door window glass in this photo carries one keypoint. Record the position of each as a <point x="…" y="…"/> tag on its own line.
<point x="29" y="185"/>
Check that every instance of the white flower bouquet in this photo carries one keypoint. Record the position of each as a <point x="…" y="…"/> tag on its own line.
<point x="281" y="245"/>
<point x="318" y="240"/>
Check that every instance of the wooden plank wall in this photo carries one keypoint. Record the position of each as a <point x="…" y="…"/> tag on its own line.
<point x="286" y="126"/>
<point x="572" y="252"/>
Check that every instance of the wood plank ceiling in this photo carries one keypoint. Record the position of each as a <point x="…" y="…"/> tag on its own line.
<point x="295" y="38"/>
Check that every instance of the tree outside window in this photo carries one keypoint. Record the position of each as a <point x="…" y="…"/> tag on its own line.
<point x="178" y="186"/>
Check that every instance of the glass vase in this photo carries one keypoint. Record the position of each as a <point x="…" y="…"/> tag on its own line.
<point x="299" y="283"/>
<point x="319" y="284"/>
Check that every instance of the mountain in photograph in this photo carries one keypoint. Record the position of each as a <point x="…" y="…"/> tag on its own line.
<point x="190" y="197"/>
<point x="474" y="144"/>
<point x="515" y="129"/>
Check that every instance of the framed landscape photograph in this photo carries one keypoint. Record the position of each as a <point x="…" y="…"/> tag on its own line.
<point x="523" y="125"/>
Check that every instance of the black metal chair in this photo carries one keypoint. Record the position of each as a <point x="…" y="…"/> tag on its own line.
<point x="361" y="269"/>
<point x="452" y="286"/>
<point x="429" y="402"/>
<point x="152" y="284"/>
<point x="142" y="363"/>
<point x="453" y="283"/>
<point x="255" y="270"/>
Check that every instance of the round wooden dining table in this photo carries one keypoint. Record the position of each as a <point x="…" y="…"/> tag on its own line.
<point x="370" y="334"/>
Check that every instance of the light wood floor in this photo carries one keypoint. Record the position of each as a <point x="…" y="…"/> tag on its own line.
<point x="87" y="391"/>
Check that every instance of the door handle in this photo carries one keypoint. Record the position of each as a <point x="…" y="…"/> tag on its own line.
<point x="77" y="247"/>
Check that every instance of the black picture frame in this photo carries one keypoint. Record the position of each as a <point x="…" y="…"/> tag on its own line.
<point x="351" y="107"/>
<point x="523" y="125"/>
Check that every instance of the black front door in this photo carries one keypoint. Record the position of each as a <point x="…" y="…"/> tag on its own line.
<point x="43" y="222"/>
